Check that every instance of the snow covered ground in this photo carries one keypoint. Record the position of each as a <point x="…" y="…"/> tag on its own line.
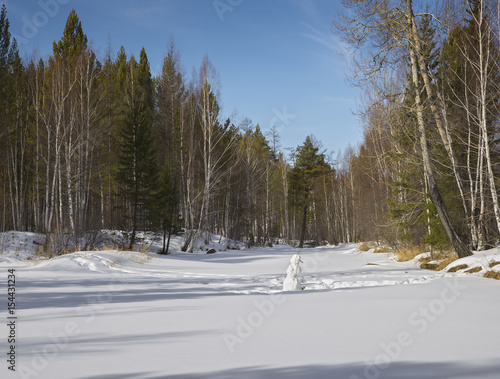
<point x="112" y="314"/>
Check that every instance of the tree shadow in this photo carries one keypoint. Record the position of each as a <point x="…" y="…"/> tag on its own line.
<point x="397" y="370"/>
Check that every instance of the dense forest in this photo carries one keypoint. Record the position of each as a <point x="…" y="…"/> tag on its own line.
<point x="91" y="143"/>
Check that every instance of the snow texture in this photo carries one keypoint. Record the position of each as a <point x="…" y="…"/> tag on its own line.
<point x="126" y="315"/>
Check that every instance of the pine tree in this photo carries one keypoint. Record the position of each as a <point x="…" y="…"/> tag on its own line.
<point x="6" y="60"/>
<point x="21" y="144"/>
<point x="5" y="39"/>
<point x="170" y="94"/>
<point x="4" y="77"/>
<point x="137" y="165"/>
<point x="14" y="126"/>
<point x="73" y="41"/>
<point x="309" y="165"/>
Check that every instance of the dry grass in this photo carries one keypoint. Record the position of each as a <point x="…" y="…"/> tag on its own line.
<point x="140" y="257"/>
<point x="442" y="260"/>
<point x="429" y="266"/>
<point x="139" y="248"/>
<point x="457" y="268"/>
<point x="492" y="274"/>
<point x="50" y="251"/>
<point x="382" y="249"/>
<point x="473" y="270"/>
<point x="447" y="261"/>
<point x="115" y="262"/>
<point x="108" y="248"/>
<point x="133" y="256"/>
<point x="144" y="249"/>
<point x="407" y="253"/>
<point x="493" y="264"/>
<point x="364" y="247"/>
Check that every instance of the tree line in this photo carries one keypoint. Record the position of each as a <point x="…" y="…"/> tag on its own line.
<point x="94" y="143"/>
<point x="430" y="156"/>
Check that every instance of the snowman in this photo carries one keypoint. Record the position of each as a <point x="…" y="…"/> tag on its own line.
<point x="292" y="281"/>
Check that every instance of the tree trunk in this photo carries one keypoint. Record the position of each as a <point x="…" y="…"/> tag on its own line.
<point x="484" y="61"/>
<point x="168" y="241"/>
<point x="134" y="225"/>
<point x="303" y="229"/>
<point x="456" y="240"/>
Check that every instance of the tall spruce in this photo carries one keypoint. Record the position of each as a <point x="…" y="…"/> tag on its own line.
<point x="137" y="164"/>
<point x="15" y="115"/>
<point x="170" y="94"/>
<point x="309" y="165"/>
<point x="6" y="61"/>
<point x="73" y="41"/>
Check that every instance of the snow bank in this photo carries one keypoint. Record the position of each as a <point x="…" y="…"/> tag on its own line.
<point x="19" y="246"/>
<point x="480" y="260"/>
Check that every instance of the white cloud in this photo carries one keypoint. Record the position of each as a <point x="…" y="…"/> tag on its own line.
<point x="330" y="41"/>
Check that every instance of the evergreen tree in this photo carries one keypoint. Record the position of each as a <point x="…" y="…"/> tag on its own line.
<point x="120" y="72"/>
<point x="137" y="165"/>
<point x="6" y="61"/>
<point x="73" y="41"/>
<point x="14" y="126"/>
<point x="114" y="75"/>
<point x="309" y="165"/>
<point x="21" y="145"/>
<point x="6" y="51"/>
<point x="170" y="94"/>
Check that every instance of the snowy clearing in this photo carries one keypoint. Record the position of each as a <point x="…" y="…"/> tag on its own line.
<point x="112" y="314"/>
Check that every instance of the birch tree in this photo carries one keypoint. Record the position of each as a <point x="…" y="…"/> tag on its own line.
<point x="487" y="77"/>
<point x="390" y="30"/>
<point x="213" y="143"/>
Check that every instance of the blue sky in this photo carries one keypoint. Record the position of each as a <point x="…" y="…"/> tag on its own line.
<point x="278" y="60"/>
